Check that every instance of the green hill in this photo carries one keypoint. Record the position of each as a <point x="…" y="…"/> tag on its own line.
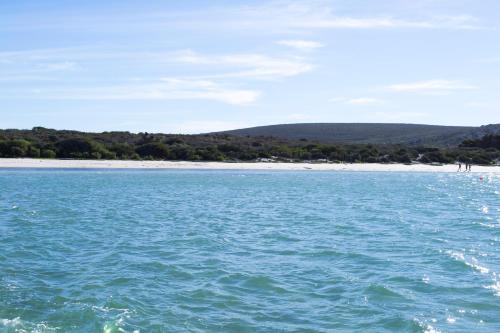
<point x="409" y="134"/>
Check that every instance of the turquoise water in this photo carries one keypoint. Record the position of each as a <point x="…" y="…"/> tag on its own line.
<point x="248" y="251"/>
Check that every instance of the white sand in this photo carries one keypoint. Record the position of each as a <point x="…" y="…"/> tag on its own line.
<point x="105" y="164"/>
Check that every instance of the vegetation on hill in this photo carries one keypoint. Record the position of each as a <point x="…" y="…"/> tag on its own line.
<point x="490" y="141"/>
<point x="48" y="143"/>
<point x="346" y="133"/>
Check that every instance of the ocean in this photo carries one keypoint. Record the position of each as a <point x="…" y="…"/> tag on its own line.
<point x="248" y="251"/>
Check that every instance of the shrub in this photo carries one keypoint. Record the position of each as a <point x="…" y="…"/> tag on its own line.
<point x="155" y="150"/>
<point x="47" y="153"/>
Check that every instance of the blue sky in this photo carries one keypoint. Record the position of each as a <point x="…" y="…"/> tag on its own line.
<point x="200" y="66"/>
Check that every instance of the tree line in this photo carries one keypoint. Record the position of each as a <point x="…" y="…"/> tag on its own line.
<point x="48" y="143"/>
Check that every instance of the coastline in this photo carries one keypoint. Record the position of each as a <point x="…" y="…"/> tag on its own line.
<point x="129" y="164"/>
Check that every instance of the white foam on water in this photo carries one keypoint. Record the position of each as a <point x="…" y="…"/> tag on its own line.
<point x="495" y="287"/>
<point x="473" y="262"/>
<point x="11" y="322"/>
<point x="459" y="256"/>
<point x="24" y="327"/>
<point x="44" y="328"/>
<point x="426" y="327"/>
<point x="451" y="320"/>
<point x="120" y="315"/>
<point x="490" y="225"/>
<point x="430" y="329"/>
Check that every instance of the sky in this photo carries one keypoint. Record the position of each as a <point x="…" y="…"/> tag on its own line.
<point x="201" y="66"/>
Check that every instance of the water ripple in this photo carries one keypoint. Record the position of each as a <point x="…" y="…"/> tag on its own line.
<point x="254" y="251"/>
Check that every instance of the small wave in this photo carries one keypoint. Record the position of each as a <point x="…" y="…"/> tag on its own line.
<point x="426" y="328"/>
<point x="118" y="323"/>
<point x="473" y="262"/>
<point x="115" y="328"/>
<point x="18" y="325"/>
<point x="459" y="256"/>
<point x="430" y="329"/>
<point x="495" y="287"/>
<point x="11" y="322"/>
<point x="379" y="292"/>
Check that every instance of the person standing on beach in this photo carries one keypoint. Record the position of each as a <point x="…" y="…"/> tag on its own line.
<point x="459" y="166"/>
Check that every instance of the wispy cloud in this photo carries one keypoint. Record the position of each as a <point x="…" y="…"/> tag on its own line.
<point x="250" y="65"/>
<point x="363" y="23"/>
<point x="342" y="22"/>
<point x="303" y="45"/>
<point x="58" y="66"/>
<point x="257" y="66"/>
<point x="269" y="16"/>
<point x="363" y="101"/>
<point x="432" y="87"/>
<point x="285" y="15"/>
<point x="359" y="101"/>
<point x="164" y="89"/>
<point x="24" y="78"/>
<point x="198" y="76"/>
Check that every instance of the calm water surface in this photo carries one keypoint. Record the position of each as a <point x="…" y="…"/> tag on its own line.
<point x="248" y="251"/>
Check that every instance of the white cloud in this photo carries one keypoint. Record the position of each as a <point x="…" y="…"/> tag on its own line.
<point x="303" y="45"/>
<point x="293" y="15"/>
<point x="359" y="101"/>
<point x="164" y="89"/>
<point x="267" y="16"/>
<point x="25" y="77"/>
<point x="362" y="23"/>
<point x="58" y="66"/>
<point x="250" y="65"/>
<point x="363" y="101"/>
<point x="432" y="86"/>
<point x="256" y="66"/>
<point x="192" y="82"/>
<point x="337" y="99"/>
<point x="458" y="22"/>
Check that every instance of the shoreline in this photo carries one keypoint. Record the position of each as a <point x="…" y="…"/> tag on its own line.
<point x="129" y="164"/>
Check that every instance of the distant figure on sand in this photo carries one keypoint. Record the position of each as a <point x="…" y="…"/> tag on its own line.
<point x="459" y="167"/>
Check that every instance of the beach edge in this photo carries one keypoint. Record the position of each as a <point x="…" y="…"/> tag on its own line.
<point x="19" y="163"/>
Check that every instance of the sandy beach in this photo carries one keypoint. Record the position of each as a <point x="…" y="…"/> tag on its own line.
<point x="118" y="164"/>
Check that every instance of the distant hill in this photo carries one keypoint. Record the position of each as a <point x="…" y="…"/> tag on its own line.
<point x="409" y="134"/>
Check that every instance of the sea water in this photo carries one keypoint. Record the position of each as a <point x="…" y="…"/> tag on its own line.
<point x="248" y="251"/>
